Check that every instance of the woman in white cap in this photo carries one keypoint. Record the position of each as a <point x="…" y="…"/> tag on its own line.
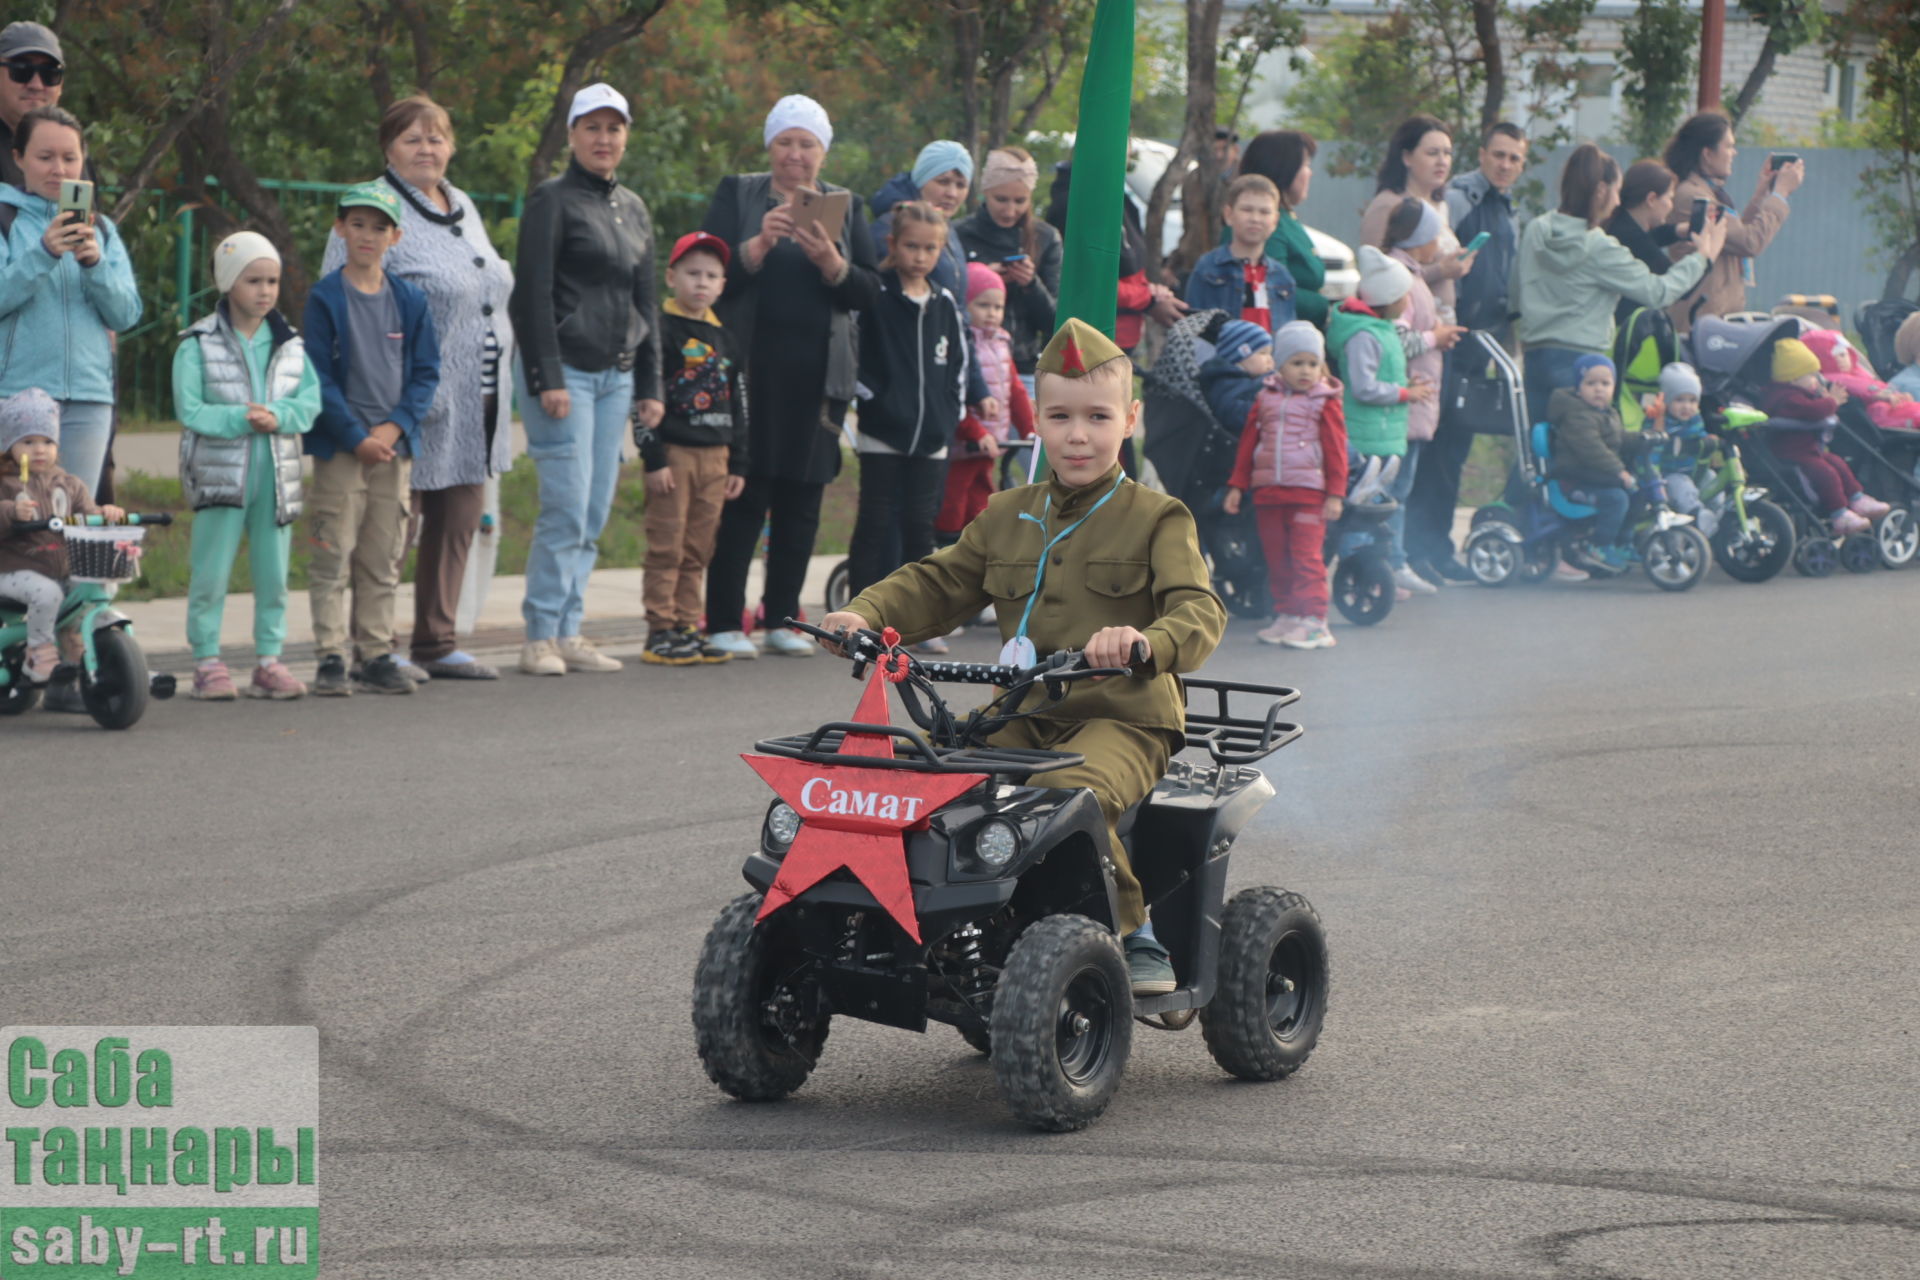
<point x="467" y="437"/>
<point x="584" y="312"/>
<point x="792" y="289"/>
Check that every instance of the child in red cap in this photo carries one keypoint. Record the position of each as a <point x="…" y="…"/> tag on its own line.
<point x="696" y="459"/>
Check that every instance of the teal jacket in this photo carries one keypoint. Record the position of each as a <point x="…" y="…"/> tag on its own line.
<point x="56" y="316"/>
<point x="1373" y="367"/>
<point x="1569" y="277"/>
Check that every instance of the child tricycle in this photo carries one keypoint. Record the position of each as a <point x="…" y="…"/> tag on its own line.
<point x="114" y="682"/>
<point x="937" y="883"/>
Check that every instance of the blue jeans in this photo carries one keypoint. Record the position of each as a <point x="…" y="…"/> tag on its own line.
<point x="85" y="427"/>
<point x="1547" y="370"/>
<point x="578" y="460"/>
<point x="1400" y="491"/>
<point x="1609" y="513"/>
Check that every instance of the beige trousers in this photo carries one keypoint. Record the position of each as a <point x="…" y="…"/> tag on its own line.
<point x="357" y="514"/>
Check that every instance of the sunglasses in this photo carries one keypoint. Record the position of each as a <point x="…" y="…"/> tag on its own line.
<point x="50" y="73"/>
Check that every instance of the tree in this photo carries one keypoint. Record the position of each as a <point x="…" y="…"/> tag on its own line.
<point x="583" y="56"/>
<point x="1891" y="186"/>
<point x="1196" y="137"/>
<point x="1790" y="24"/>
<point x="1657" y="50"/>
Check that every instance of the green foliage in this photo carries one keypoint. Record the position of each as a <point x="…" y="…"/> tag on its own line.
<point x="1657" y="49"/>
<point x="1890" y="188"/>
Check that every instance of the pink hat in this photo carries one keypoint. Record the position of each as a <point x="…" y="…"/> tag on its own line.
<point x="1828" y="345"/>
<point x="983" y="279"/>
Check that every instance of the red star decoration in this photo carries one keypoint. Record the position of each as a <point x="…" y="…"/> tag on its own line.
<point x="1070" y="361"/>
<point x="875" y="808"/>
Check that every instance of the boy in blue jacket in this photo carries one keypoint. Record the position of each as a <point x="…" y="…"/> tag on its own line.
<point x="1231" y="379"/>
<point x="1239" y="277"/>
<point x="372" y="342"/>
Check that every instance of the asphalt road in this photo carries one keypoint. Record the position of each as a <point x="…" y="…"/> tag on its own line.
<point x="1620" y="887"/>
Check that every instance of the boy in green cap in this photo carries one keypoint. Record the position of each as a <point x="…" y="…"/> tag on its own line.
<point x="1088" y="559"/>
<point x="372" y="341"/>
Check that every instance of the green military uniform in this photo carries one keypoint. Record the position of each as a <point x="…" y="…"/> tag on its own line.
<point x="1135" y="562"/>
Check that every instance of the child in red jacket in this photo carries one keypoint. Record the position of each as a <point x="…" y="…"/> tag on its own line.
<point x="1293" y="455"/>
<point x="970" y="465"/>
<point x="1802" y="408"/>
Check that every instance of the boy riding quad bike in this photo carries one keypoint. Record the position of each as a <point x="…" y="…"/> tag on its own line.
<point x="1088" y="558"/>
<point x="938" y="882"/>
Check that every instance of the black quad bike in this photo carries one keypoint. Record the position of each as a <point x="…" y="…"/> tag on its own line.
<point x="1010" y="892"/>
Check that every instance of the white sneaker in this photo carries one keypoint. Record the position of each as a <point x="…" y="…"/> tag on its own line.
<point x="1407" y="580"/>
<point x="735" y="643"/>
<point x="542" y="658"/>
<point x="788" y="642"/>
<point x="579" y="655"/>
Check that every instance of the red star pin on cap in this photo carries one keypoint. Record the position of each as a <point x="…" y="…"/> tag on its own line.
<point x="856" y="817"/>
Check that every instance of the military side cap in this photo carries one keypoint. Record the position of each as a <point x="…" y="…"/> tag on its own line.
<point x="1077" y="350"/>
<point x="371" y="195"/>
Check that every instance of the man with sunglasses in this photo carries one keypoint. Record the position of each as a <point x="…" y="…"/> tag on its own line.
<point x="35" y="70"/>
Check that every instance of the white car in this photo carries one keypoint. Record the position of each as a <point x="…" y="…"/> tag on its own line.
<point x="1147" y="160"/>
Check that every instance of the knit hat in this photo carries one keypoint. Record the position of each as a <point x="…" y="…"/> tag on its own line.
<point x="28" y="413"/>
<point x="1587" y="362"/>
<point x="1003" y="168"/>
<point x="1295" y="336"/>
<point x="236" y="253"/>
<point x="1793" y="360"/>
<point x="1679" y="379"/>
<point x="1383" y="281"/>
<point x="1241" y="338"/>
<point x="1425" y="231"/>
<point x="598" y="96"/>
<point x="1830" y="348"/>
<point x="371" y="195"/>
<point x="1077" y="349"/>
<point x="941" y="156"/>
<point x="1906" y="340"/>
<point x="798" y="111"/>
<point x="982" y="278"/>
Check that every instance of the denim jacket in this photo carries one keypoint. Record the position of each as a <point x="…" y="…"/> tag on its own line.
<point x="1218" y="282"/>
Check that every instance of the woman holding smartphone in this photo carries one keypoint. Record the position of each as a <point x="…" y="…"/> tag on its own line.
<point x="66" y="286"/>
<point x="1005" y="236"/>
<point x="1701" y="157"/>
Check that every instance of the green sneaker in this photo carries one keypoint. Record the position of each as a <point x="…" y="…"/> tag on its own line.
<point x="1150" y="967"/>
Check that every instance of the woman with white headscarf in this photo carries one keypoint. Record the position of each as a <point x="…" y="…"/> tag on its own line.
<point x="792" y="289"/>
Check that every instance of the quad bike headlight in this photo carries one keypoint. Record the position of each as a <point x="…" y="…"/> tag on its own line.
<point x="782" y="825"/>
<point x="995" y="843"/>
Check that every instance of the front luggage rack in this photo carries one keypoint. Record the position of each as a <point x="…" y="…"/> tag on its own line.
<point x="822" y="746"/>
<point x="1232" y="739"/>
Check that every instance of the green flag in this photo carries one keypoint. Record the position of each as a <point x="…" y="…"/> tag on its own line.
<point x="1090" y="268"/>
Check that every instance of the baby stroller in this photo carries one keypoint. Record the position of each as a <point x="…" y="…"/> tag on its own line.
<point x="1522" y="536"/>
<point x="1734" y="356"/>
<point x="1193" y="455"/>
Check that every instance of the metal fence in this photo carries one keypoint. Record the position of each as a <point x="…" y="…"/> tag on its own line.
<point x="1828" y="245"/>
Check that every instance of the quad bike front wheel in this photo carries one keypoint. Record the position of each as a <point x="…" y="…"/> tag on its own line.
<point x="1265" y="1017"/>
<point x="116" y="693"/>
<point x="1363" y="588"/>
<point x="752" y="1026"/>
<point x="1758" y="555"/>
<point x="1062" y="1023"/>
<point x="1677" y="558"/>
<point x="1898" y="537"/>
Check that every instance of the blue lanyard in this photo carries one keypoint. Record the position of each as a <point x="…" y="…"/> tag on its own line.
<point x="1040" y="573"/>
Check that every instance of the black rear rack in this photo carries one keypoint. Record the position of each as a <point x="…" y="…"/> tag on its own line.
<point x="1232" y="739"/>
<point x="822" y="746"/>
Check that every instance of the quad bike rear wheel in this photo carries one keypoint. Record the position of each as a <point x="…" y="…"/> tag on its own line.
<point x="1898" y="537"/>
<point x="1760" y="555"/>
<point x="1062" y="1023"/>
<point x="1265" y="1017"/>
<point x="756" y="1036"/>
<point x="1363" y="588"/>
<point x="116" y="692"/>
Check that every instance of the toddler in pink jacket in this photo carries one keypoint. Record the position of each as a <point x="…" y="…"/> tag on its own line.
<point x="1842" y="366"/>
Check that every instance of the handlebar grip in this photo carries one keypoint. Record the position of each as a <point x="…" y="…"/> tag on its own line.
<point x="969" y="673"/>
<point x="1140" y="654"/>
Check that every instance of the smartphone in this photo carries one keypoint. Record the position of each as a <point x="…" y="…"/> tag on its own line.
<point x="1474" y="245"/>
<point x="1780" y="159"/>
<point x="1698" y="222"/>
<point x="1015" y="257"/>
<point x="76" y="198"/>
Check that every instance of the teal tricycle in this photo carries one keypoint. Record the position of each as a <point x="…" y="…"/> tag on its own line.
<point x="114" y="682"/>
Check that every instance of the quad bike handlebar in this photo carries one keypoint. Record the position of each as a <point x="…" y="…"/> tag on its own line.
<point x="1062" y="667"/>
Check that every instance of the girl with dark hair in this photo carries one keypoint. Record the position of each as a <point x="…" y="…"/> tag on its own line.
<point x="1570" y="275"/>
<point x="1701" y="157"/>
<point x="1418" y="162"/>
<point x="1640" y="223"/>
<point x="1285" y="158"/>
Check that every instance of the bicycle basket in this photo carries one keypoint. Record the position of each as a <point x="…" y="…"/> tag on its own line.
<point x="103" y="554"/>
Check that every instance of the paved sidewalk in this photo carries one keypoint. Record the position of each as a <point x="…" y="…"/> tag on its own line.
<point x="615" y="619"/>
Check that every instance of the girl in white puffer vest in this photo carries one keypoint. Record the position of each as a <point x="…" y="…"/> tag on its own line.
<point x="1293" y="456"/>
